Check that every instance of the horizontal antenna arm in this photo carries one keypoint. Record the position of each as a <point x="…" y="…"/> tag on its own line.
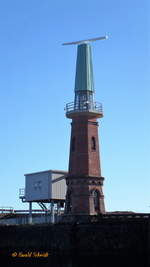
<point x="87" y="40"/>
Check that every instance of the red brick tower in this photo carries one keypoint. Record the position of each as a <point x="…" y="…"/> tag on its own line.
<point x="84" y="182"/>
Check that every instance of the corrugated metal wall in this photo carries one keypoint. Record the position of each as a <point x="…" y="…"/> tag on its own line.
<point x="58" y="186"/>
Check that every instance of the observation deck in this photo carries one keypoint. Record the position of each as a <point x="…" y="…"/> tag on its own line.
<point x="91" y="110"/>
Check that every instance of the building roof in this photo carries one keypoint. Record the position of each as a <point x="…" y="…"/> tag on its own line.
<point x="52" y="171"/>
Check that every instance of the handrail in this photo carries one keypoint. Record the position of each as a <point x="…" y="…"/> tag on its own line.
<point x="21" y="192"/>
<point x="6" y="209"/>
<point x="84" y="107"/>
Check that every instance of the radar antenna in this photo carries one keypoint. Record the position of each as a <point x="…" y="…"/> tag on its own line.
<point x="87" y="40"/>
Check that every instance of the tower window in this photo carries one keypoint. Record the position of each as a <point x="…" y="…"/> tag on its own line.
<point x="93" y="143"/>
<point x="96" y="200"/>
<point x="73" y="143"/>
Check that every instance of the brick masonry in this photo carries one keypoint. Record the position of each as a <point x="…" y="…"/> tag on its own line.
<point x="84" y="176"/>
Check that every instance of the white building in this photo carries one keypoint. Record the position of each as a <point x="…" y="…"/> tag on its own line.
<point x="48" y="190"/>
<point x="45" y="186"/>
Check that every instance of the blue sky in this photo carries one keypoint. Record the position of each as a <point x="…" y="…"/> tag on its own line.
<point x="37" y="79"/>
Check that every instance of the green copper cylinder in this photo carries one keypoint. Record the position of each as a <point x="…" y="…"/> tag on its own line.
<point x="84" y="80"/>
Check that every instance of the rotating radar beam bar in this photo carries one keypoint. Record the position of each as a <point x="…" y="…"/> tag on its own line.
<point x="87" y="40"/>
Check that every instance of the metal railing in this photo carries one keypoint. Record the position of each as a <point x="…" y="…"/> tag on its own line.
<point x="6" y="210"/>
<point x="22" y="193"/>
<point x="84" y="107"/>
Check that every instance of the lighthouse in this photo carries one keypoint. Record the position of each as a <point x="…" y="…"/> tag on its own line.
<point x="84" y="180"/>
